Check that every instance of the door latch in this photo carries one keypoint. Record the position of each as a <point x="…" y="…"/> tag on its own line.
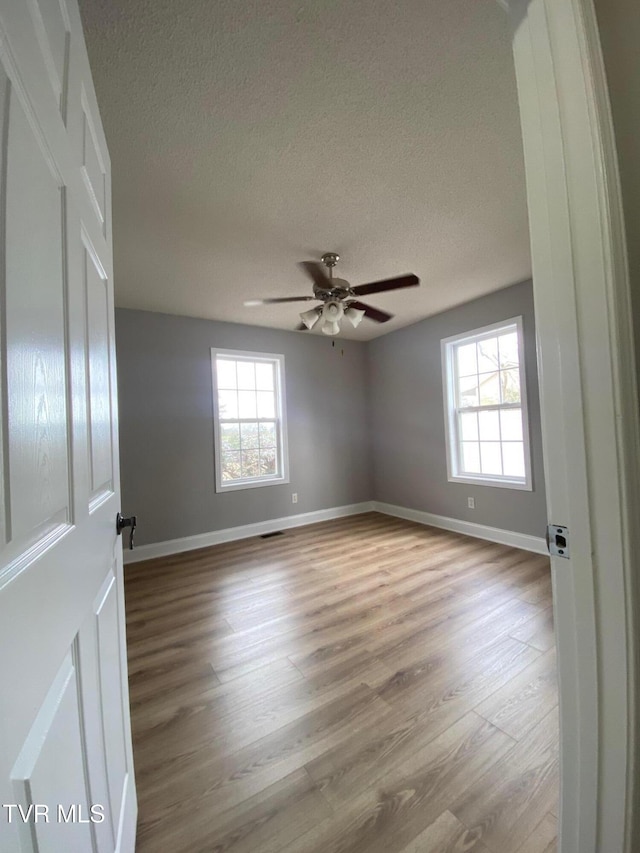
<point x="130" y="522"/>
<point x="558" y="540"/>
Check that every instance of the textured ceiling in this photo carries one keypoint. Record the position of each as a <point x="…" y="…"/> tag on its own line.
<point x="246" y="136"/>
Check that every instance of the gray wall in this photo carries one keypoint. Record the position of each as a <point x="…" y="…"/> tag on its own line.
<point x="166" y="424"/>
<point x="407" y="419"/>
<point x="365" y="422"/>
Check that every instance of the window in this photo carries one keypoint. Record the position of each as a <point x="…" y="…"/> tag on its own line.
<point x="486" y="407"/>
<point x="249" y="419"/>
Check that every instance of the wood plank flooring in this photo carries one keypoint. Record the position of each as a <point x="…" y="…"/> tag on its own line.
<point x="364" y="685"/>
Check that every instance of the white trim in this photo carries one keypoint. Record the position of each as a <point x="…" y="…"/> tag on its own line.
<point x="483" y="332"/>
<point x="486" y="480"/>
<point x="468" y="528"/>
<point x="625" y="391"/>
<point x="451" y="407"/>
<point x="277" y="359"/>
<point x="126" y="840"/>
<point x="244" y="531"/>
<point x="524" y="541"/>
<point x="589" y="402"/>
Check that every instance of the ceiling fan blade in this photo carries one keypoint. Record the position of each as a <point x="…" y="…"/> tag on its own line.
<point x="372" y="313"/>
<point x="317" y="273"/>
<point x="408" y="280"/>
<point x="250" y="302"/>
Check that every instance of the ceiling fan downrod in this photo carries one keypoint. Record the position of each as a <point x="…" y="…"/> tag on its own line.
<point x="330" y="259"/>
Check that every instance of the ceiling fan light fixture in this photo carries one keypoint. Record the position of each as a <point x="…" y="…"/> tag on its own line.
<point x="331" y="327"/>
<point x="339" y="299"/>
<point x="354" y="316"/>
<point x="333" y="311"/>
<point x="310" y="317"/>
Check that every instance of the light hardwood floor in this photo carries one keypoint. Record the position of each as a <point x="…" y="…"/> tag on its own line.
<point x="365" y="685"/>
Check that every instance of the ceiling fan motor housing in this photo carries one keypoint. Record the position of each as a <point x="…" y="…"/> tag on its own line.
<point x="340" y="289"/>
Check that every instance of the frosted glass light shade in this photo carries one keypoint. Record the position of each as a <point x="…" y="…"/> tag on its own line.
<point x="310" y="317"/>
<point x="330" y="327"/>
<point x="332" y="312"/>
<point x="354" y="316"/>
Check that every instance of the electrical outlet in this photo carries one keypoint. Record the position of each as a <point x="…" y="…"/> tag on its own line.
<point x="471" y="503"/>
<point x="294" y="497"/>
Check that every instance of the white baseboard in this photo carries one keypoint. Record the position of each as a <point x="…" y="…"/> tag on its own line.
<point x="469" y="528"/>
<point x="229" y="534"/>
<point x="245" y="531"/>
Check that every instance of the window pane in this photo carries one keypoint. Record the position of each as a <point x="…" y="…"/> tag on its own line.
<point x="228" y="404"/>
<point x="489" y="389"/>
<point x="246" y="375"/>
<point x="247" y="404"/>
<point x="267" y="435"/>
<point x="466" y="360"/>
<point x="470" y="457"/>
<point x="250" y="429"/>
<point x="489" y="426"/>
<point x="510" y="383"/>
<point x="468" y="391"/>
<point x="264" y="376"/>
<point x="469" y="426"/>
<point x="266" y="404"/>
<point x="249" y="434"/>
<point x="250" y="463"/>
<point x="231" y="465"/>
<point x="482" y="390"/>
<point x="511" y="423"/>
<point x="513" y="458"/>
<point x="488" y="355"/>
<point x="225" y="373"/>
<point x="490" y="457"/>
<point x="230" y="436"/>
<point x="508" y="346"/>
<point x="268" y="461"/>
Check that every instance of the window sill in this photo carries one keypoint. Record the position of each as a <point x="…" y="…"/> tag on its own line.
<point x="519" y="485"/>
<point x="237" y="485"/>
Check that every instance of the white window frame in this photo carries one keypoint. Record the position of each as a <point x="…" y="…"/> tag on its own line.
<point x="447" y="348"/>
<point x="282" y="475"/>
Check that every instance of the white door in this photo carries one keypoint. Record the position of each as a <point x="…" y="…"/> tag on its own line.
<point x="66" y="773"/>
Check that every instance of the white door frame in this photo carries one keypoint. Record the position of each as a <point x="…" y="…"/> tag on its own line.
<point x="589" y="401"/>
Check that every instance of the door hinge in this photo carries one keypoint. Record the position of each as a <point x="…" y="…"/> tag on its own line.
<point x="558" y="540"/>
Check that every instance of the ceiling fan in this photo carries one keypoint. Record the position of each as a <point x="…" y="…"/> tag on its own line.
<point x="337" y="297"/>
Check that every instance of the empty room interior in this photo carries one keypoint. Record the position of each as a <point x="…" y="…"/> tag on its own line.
<point x="301" y="231"/>
<point x="338" y="601"/>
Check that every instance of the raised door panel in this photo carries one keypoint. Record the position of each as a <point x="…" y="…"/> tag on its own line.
<point x="5" y="493"/>
<point x="108" y="632"/>
<point x="94" y="740"/>
<point x="34" y="336"/>
<point x="99" y="375"/>
<point x="94" y="171"/>
<point x="52" y="794"/>
<point x="53" y="30"/>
